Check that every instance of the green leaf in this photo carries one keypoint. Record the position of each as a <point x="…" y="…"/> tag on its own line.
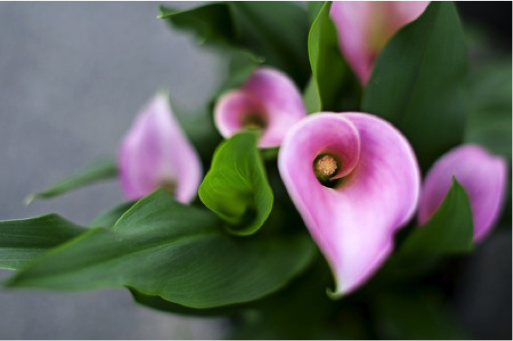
<point x="332" y="80"/>
<point x="408" y="315"/>
<point x="276" y="31"/>
<point x="108" y="218"/>
<point x="158" y="303"/>
<point x="23" y="240"/>
<point x="96" y="172"/>
<point x="416" y="82"/>
<point x="449" y="231"/>
<point x="163" y="248"/>
<point x="211" y="22"/>
<point x="489" y="107"/>
<point x="236" y="186"/>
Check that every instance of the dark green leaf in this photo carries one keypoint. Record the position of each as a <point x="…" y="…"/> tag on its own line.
<point x="489" y="108"/>
<point x="161" y="304"/>
<point x="96" y="172"/>
<point x="415" y="316"/>
<point x="108" y="218"/>
<point x="332" y="80"/>
<point x="276" y="31"/>
<point x="163" y="248"/>
<point x="236" y="186"/>
<point x="211" y="22"/>
<point x="417" y="80"/>
<point x="23" y="240"/>
<point x="449" y="231"/>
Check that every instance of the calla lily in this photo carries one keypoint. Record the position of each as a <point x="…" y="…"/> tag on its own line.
<point x="355" y="180"/>
<point x="364" y="27"/>
<point x="268" y="100"/>
<point x="156" y="153"/>
<point x="482" y="175"/>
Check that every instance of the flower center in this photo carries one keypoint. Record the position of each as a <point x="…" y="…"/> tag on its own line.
<point x="254" y="121"/>
<point x="325" y="166"/>
<point x="169" y="186"/>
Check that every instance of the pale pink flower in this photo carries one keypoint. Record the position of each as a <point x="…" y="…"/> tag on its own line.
<point x="484" y="177"/>
<point x="355" y="180"/>
<point x="364" y="27"/>
<point x="156" y="153"/>
<point x="268" y="100"/>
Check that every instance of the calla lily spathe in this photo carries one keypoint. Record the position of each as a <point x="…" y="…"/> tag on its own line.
<point x="156" y="153"/>
<point x="268" y="100"/>
<point x="372" y="189"/>
<point x="364" y="27"/>
<point x="484" y="177"/>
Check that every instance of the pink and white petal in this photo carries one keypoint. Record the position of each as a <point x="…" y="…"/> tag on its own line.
<point x="353" y="224"/>
<point x="155" y="151"/>
<point x="232" y="107"/>
<point x="267" y="93"/>
<point x="277" y="93"/>
<point x="364" y="27"/>
<point x="354" y="21"/>
<point x="483" y="176"/>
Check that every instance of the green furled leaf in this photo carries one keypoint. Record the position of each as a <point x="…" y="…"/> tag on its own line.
<point x="489" y="108"/>
<point x="163" y="248"/>
<point x="108" y="218"/>
<point x="410" y="315"/>
<point x="332" y="80"/>
<point x="449" y="231"/>
<point x="276" y="31"/>
<point x="236" y="186"/>
<point x="23" y="240"/>
<point x="94" y="173"/>
<point x="416" y="82"/>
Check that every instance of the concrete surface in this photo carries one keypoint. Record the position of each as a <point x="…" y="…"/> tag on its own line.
<point x="72" y="78"/>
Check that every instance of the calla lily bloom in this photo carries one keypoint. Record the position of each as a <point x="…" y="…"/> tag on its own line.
<point x="364" y="27"/>
<point x="482" y="175"/>
<point x="355" y="180"/>
<point x="156" y="153"/>
<point x="268" y="100"/>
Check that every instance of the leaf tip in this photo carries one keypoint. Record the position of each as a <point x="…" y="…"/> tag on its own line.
<point x="30" y="198"/>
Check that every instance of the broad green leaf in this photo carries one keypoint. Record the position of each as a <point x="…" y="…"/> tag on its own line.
<point x="23" y="240"/>
<point x="275" y="31"/>
<point x="236" y="186"/>
<point x="489" y="107"/>
<point x="416" y="82"/>
<point x="332" y="82"/>
<point x="96" y="172"/>
<point x="109" y="217"/>
<point x="449" y="231"/>
<point x="163" y="248"/>
<point x="415" y="316"/>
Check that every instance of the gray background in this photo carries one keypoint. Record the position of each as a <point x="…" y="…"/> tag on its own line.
<point x="72" y="78"/>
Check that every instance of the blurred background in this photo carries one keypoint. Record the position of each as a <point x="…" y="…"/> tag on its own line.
<point x="72" y="78"/>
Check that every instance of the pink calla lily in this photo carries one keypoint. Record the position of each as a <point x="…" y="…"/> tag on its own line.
<point x="268" y="100"/>
<point x="156" y="153"/>
<point x="355" y="180"/>
<point x="364" y="27"/>
<point x="483" y="176"/>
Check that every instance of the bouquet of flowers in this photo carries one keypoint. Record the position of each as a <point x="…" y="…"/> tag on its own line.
<point x="353" y="157"/>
